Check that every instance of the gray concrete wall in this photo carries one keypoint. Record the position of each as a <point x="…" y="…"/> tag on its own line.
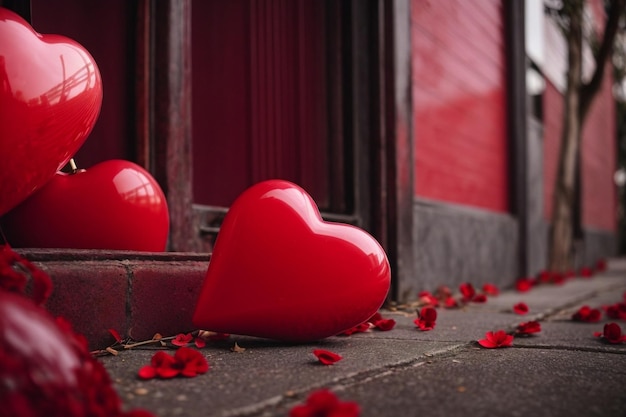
<point x="536" y="225"/>
<point x="454" y="244"/>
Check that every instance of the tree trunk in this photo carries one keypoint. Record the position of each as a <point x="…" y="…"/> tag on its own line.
<point x="561" y="239"/>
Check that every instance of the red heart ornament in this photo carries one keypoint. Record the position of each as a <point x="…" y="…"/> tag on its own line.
<point x="50" y="98"/>
<point x="115" y="204"/>
<point x="279" y="271"/>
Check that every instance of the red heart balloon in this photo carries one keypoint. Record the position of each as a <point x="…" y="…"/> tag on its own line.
<point x="50" y="98"/>
<point x="279" y="271"/>
<point x="113" y="205"/>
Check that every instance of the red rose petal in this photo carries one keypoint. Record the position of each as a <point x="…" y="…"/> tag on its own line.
<point x="491" y="289"/>
<point x="467" y="291"/>
<point x="385" y="324"/>
<point x="115" y="335"/>
<point x="479" y="298"/>
<point x="529" y="327"/>
<point x="326" y="357"/>
<point x="147" y="372"/>
<point x="520" y="308"/>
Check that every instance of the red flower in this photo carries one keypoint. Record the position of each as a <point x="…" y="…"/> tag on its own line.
<point x="491" y="289"/>
<point x="467" y="291"/>
<point x="586" y="272"/>
<point x="326" y="357"/>
<point x="524" y="284"/>
<point x="360" y="328"/>
<point x="612" y="333"/>
<point x="186" y="362"/>
<point x="520" y="308"/>
<point x="601" y="265"/>
<point x="324" y="403"/>
<point x="528" y="327"/>
<point x="587" y="314"/>
<point x="426" y="319"/>
<point x="496" y="340"/>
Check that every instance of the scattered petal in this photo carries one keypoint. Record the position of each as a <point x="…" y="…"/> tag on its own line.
<point x="426" y="298"/>
<point x="115" y="335"/>
<point x="524" y="284"/>
<point x="326" y="357"/>
<point x="199" y="342"/>
<point x="186" y="362"/>
<point x="451" y="302"/>
<point x="520" y="308"/>
<point x="479" y="298"/>
<point x="612" y="333"/>
<point x="467" y="291"/>
<point x="496" y="339"/>
<point x="360" y="328"/>
<point x="491" y="289"/>
<point x="182" y="339"/>
<point x="324" y="403"/>
<point x="528" y="328"/>
<point x="586" y="272"/>
<point x="587" y="314"/>
<point x="601" y="265"/>
<point x="385" y="324"/>
<point x="191" y="362"/>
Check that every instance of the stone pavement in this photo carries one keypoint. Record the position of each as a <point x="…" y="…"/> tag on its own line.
<point x="562" y="371"/>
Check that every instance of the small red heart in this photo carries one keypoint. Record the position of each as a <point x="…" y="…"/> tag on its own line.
<point x="115" y="204"/>
<point x="279" y="271"/>
<point x="50" y="98"/>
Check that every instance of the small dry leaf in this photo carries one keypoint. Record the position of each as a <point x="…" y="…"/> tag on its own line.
<point x="141" y="391"/>
<point x="237" y="348"/>
<point x="461" y="389"/>
<point x="112" y="351"/>
<point x="157" y="336"/>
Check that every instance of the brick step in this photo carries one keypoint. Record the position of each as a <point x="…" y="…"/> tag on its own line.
<point x="136" y="293"/>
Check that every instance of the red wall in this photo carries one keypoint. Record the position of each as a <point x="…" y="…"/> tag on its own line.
<point x="598" y="156"/>
<point x="459" y="100"/>
<point x="105" y="30"/>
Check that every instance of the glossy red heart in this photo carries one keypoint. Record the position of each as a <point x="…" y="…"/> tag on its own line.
<point x="279" y="271"/>
<point x="113" y="205"/>
<point x="50" y="98"/>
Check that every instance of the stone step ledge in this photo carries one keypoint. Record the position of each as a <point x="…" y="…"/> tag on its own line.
<point x="136" y="293"/>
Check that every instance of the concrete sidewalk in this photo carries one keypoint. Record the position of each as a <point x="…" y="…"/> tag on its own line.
<point x="562" y="371"/>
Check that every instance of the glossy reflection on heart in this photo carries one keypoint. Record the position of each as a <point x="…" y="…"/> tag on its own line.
<point x="50" y="98"/>
<point x="279" y="271"/>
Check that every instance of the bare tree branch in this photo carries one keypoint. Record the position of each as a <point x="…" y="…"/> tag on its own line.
<point x="588" y="90"/>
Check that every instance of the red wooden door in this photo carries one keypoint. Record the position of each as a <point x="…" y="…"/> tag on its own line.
<point x="260" y="97"/>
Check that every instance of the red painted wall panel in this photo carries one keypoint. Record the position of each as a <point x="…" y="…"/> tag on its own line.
<point x="259" y="97"/>
<point x="459" y="99"/>
<point x="599" y="201"/>
<point x="599" y="161"/>
<point x="105" y="30"/>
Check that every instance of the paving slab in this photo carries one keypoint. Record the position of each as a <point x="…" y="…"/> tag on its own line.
<point x="562" y="371"/>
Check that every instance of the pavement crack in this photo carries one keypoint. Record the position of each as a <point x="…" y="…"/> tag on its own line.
<point x="346" y="381"/>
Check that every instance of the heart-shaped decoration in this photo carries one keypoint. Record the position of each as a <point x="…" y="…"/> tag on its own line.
<point x="279" y="271"/>
<point x="50" y="98"/>
<point x="115" y="204"/>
